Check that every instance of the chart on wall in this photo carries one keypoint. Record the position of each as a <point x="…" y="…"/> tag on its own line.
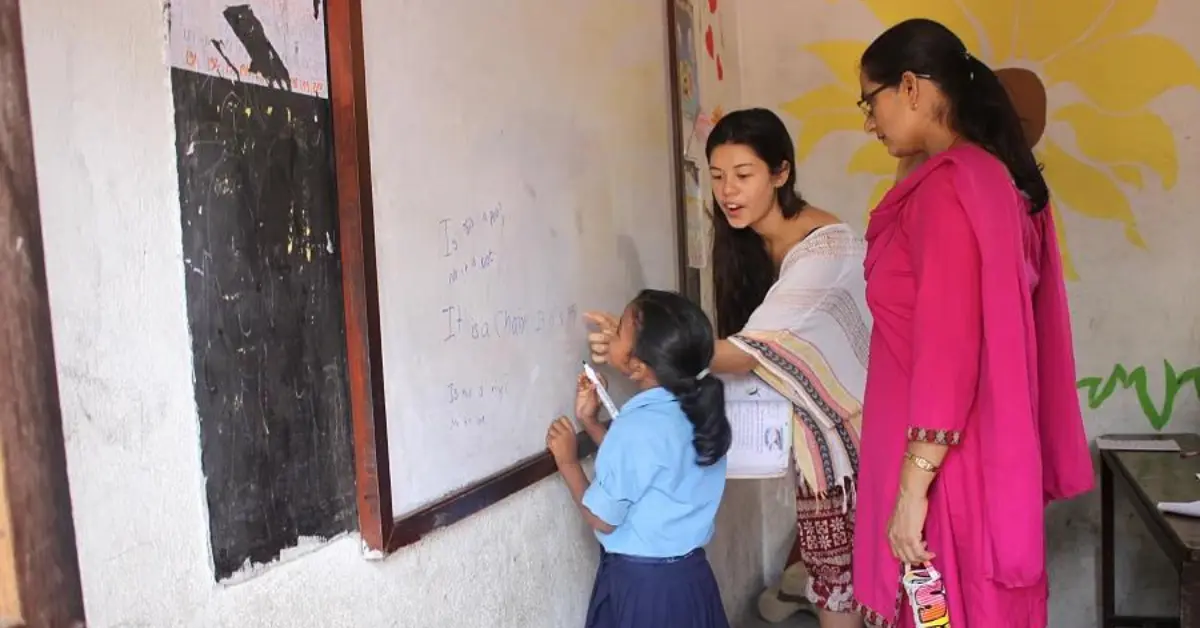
<point x="533" y="187"/>
<point x="694" y="124"/>
<point x="263" y="42"/>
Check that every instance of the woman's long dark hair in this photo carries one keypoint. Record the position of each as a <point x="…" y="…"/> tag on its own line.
<point x="980" y="110"/>
<point x="742" y="268"/>
<point x="675" y="339"/>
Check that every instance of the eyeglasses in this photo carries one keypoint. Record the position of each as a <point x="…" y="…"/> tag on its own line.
<point x="866" y="104"/>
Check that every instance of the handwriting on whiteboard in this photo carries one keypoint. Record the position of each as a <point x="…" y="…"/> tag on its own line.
<point x="476" y="263"/>
<point x="505" y="322"/>
<point x="469" y="244"/>
<point x="472" y="252"/>
<point x="491" y="391"/>
<point x="469" y="420"/>
<point x="470" y="401"/>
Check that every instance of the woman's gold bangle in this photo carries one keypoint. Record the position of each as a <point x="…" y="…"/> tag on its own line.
<point x="921" y="463"/>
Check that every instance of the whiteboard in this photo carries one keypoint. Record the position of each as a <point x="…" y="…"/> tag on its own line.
<point x="521" y="162"/>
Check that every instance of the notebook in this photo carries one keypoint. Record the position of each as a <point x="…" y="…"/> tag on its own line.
<point x="761" y="419"/>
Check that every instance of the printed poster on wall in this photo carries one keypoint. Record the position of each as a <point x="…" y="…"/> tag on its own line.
<point x="697" y="216"/>
<point x="274" y="43"/>
<point x="689" y="78"/>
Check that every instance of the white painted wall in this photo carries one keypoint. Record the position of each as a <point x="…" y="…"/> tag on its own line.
<point x="102" y="117"/>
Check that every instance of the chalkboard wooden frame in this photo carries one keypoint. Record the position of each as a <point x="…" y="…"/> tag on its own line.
<point x="383" y="533"/>
<point x="364" y="359"/>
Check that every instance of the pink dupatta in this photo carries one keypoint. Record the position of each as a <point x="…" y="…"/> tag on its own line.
<point x="1037" y="448"/>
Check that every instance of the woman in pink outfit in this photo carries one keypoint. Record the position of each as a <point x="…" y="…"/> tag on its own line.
<point x="971" y="422"/>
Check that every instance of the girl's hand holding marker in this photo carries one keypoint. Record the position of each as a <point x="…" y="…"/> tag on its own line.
<point x="560" y="438"/>
<point x="598" y="386"/>
<point x="587" y="401"/>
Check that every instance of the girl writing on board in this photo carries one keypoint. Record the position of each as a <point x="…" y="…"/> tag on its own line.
<point x="660" y="471"/>
<point x="791" y="309"/>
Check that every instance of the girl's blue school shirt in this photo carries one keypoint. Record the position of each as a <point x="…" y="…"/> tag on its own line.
<point x="648" y="485"/>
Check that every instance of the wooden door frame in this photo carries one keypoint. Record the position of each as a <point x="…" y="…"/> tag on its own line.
<point x="37" y="532"/>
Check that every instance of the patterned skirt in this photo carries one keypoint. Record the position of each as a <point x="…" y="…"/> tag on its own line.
<point x="824" y="538"/>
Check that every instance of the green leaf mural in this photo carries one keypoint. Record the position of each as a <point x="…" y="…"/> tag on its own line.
<point x="1099" y="389"/>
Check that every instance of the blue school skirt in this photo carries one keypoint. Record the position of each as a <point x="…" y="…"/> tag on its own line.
<point x="638" y="592"/>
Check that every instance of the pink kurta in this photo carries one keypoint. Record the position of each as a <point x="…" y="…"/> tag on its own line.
<point x="971" y="348"/>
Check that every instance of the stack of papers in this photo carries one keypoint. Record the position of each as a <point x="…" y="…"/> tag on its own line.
<point x="1187" y="509"/>
<point x="761" y="419"/>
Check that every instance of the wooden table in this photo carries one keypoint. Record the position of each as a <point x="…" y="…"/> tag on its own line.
<point x="1147" y="478"/>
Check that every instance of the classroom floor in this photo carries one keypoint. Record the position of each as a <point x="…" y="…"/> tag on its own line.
<point x="799" y="620"/>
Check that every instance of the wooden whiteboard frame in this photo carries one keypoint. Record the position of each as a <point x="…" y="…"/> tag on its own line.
<point x="383" y="533"/>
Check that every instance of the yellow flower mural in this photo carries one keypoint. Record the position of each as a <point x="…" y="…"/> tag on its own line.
<point x="1091" y="45"/>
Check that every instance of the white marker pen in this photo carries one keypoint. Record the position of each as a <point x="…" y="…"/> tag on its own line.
<point x="604" y="398"/>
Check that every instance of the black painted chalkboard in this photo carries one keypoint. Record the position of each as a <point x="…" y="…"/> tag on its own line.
<point x="265" y="308"/>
